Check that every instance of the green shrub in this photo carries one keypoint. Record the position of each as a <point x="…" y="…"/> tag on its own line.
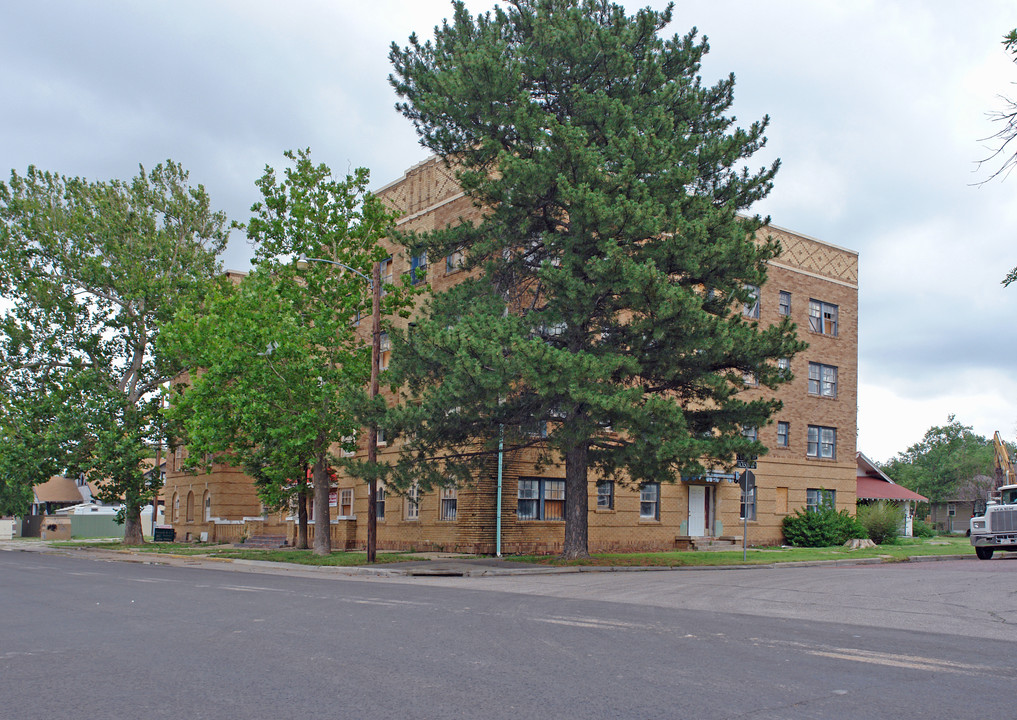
<point x="881" y="520"/>
<point x="821" y="528"/>
<point x="922" y="529"/>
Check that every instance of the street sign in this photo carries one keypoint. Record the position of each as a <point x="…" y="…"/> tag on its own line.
<point x="746" y="462"/>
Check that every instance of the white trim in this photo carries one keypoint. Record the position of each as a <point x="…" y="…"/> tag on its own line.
<point x="407" y="218"/>
<point x="817" y="276"/>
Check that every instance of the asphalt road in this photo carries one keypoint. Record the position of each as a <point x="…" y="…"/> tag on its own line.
<point x="84" y="638"/>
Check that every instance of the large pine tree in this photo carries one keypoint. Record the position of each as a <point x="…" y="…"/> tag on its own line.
<point x="603" y="324"/>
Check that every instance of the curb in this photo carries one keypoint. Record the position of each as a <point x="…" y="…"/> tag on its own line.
<point x="451" y="569"/>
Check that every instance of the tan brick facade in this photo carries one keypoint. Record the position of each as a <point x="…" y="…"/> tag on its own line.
<point x="808" y="269"/>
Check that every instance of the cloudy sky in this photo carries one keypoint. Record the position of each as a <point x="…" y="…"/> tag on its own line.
<point x="877" y="109"/>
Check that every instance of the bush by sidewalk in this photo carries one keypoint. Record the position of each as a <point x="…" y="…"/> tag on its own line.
<point x="821" y="528"/>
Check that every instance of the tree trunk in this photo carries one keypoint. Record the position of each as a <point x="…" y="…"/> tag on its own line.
<point x="577" y="504"/>
<point x="302" y="515"/>
<point x="322" y="516"/>
<point x="132" y="523"/>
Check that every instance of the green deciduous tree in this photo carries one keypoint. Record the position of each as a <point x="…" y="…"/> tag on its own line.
<point x="613" y="262"/>
<point x="945" y="457"/>
<point x="283" y="370"/>
<point x="93" y="269"/>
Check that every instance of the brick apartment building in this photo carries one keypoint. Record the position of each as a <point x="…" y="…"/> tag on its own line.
<point x="811" y="441"/>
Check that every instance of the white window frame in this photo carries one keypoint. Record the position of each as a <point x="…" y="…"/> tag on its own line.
<point x="384" y="351"/>
<point x="385" y="271"/>
<point x="822" y="380"/>
<point x="537" y="493"/>
<point x="649" y="501"/>
<point x="413" y="502"/>
<point x="784" y="303"/>
<point x="454" y="261"/>
<point x="605" y="495"/>
<point x="379" y="503"/>
<point x="783" y="433"/>
<point x="751" y="308"/>
<point x="448" y="505"/>
<point x="816" y="498"/>
<point x="822" y="442"/>
<point x="823" y="317"/>
<point x="346" y="502"/>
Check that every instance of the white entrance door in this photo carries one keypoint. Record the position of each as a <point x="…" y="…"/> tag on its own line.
<point x="697" y="510"/>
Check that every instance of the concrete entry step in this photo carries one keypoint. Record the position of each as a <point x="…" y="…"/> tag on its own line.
<point x="723" y="542"/>
<point x="265" y="541"/>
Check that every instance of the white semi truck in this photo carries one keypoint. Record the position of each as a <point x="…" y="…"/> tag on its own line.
<point x="997" y="528"/>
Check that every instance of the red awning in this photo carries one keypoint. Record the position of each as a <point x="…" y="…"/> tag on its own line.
<point x="874" y="489"/>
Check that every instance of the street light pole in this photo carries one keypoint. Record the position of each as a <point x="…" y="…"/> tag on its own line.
<point x="372" y="431"/>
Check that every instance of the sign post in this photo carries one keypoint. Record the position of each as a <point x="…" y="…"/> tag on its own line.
<point x="748" y="485"/>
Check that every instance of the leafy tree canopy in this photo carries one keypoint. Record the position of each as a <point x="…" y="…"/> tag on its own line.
<point x="282" y="366"/>
<point x="947" y="456"/>
<point x="611" y="262"/>
<point x="93" y="268"/>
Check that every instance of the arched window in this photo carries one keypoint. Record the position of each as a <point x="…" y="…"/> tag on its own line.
<point x="206" y="502"/>
<point x="190" y="506"/>
<point x="175" y="508"/>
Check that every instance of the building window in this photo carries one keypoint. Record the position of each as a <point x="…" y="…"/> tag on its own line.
<point x="784" y="366"/>
<point x="349" y="441"/>
<point x="190" y="507"/>
<point x="379" y="503"/>
<point x="386" y="274"/>
<point x="747" y="508"/>
<point x="413" y="503"/>
<point x="751" y="308"/>
<point x="822" y="380"/>
<point x="649" y="501"/>
<point x="381" y="437"/>
<point x="541" y="499"/>
<point x="823" y="317"/>
<point x="385" y="354"/>
<point x="750" y="379"/>
<point x="784" y="303"/>
<point x="346" y="502"/>
<point x="951" y="509"/>
<point x="750" y="432"/>
<point x="822" y="442"/>
<point x="418" y="268"/>
<point x="175" y="508"/>
<point x="206" y="504"/>
<point x="454" y="261"/>
<point x="449" y="503"/>
<point x="783" y="434"/>
<point x="537" y="428"/>
<point x="605" y="495"/>
<point x="819" y="499"/>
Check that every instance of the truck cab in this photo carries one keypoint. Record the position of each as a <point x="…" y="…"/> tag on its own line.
<point x="996" y="529"/>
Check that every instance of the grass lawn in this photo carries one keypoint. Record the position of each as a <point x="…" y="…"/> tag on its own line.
<point x="904" y="549"/>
